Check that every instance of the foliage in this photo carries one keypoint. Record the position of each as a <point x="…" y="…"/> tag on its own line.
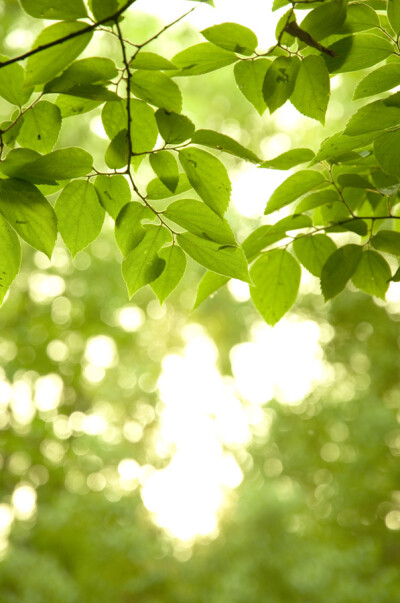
<point x="349" y="186"/>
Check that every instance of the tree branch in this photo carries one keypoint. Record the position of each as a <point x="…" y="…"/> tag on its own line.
<point x="70" y="36"/>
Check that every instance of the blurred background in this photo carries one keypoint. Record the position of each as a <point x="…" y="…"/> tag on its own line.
<point x="155" y="453"/>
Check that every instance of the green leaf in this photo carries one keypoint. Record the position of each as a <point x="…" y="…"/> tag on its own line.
<point x="353" y="181"/>
<point x="279" y="81"/>
<point x="232" y="36"/>
<point x="79" y="215"/>
<point x="384" y="78"/>
<point x="249" y="76"/>
<point x="360" y="17"/>
<point x="209" y="178"/>
<point x="151" y="62"/>
<point x="292" y="188"/>
<point x="202" y="58"/>
<point x="55" y="9"/>
<point x="338" y="269"/>
<point x="277" y="4"/>
<point x="43" y="66"/>
<point x="379" y="115"/>
<point x="396" y="277"/>
<point x="62" y="164"/>
<point x="27" y="211"/>
<point x="40" y="127"/>
<point x="268" y="234"/>
<point x="157" y="190"/>
<point x="208" y="285"/>
<point x="174" y="128"/>
<point x="393" y="13"/>
<point x="128" y="228"/>
<point x="313" y="251"/>
<point x="16" y="160"/>
<point x="373" y="274"/>
<point x="224" y="143"/>
<point x="276" y="277"/>
<point x="142" y="265"/>
<point x="312" y="89"/>
<point x="175" y="265"/>
<point x="144" y="129"/>
<point x="324" y="20"/>
<point x="387" y="152"/>
<point x="72" y="105"/>
<point x="83" y="72"/>
<point x="104" y="8"/>
<point x="357" y="226"/>
<point x="357" y="52"/>
<point x="200" y="220"/>
<point x="337" y="145"/>
<point x="317" y="199"/>
<point x="223" y="259"/>
<point x="387" y="241"/>
<point x="10" y="257"/>
<point x="289" y="159"/>
<point x="12" y="83"/>
<point x="117" y="153"/>
<point x="157" y="89"/>
<point x="165" y="166"/>
<point x="113" y="193"/>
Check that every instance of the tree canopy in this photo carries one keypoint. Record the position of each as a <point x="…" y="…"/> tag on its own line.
<point x="340" y="209"/>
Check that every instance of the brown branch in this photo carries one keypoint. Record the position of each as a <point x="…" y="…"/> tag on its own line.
<point x="70" y="36"/>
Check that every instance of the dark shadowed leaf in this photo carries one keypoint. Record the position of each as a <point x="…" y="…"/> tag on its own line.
<point x="338" y="269"/>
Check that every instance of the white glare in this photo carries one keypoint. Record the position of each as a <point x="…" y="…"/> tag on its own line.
<point x="131" y="318"/>
<point x="101" y="351"/>
<point x="24" y="501"/>
<point x="44" y="287"/>
<point x="48" y="390"/>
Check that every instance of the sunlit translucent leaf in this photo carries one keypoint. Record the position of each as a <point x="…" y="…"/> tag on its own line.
<point x="313" y="251"/>
<point x="379" y="115"/>
<point x="151" y="61"/>
<point x="388" y="241"/>
<point x="393" y="13"/>
<point x="128" y="228"/>
<point x="165" y="166"/>
<point x="16" y="160"/>
<point x="339" y="144"/>
<point x="317" y="199"/>
<point x="215" y="140"/>
<point x="267" y="234"/>
<point x="12" y="83"/>
<point x="62" y="164"/>
<point x="43" y="66"/>
<point x="83" y="72"/>
<point x="200" y="220"/>
<point x="55" y="9"/>
<point x="174" y="128"/>
<point x="359" y="17"/>
<point x="79" y="215"/>
<point x="277" y="4"/>
<point x="208" y="285"/>
<point x="73" y="105"/>
<point x="224" y="259"/>
<point x="104" y="8"/>
<point x="10" y="256"/>
<point x="157" y="190"/>
<point x="232" y="36"/>
<point x="28" y="212"/>
<point x="202" y="58"/>
<point x="352" y="181"/>
<point x="292" y="188"/>
<point x="40" y="127"/>
<point x="209" y="178"/>
<point x="144" y="129"/>
<point x="373" y="274"/>
<point x="338" y="269"/>
<point x="113" y="193"/>
<point x="324" y="20"/>
<point x="289" y="159"/>
<point x="379" y="80"/>
<point x="249" y="76"/>
<point x="312" y="89"/>
<point x="279" y="81"/>
<point x="357" y="52"/>
<point x="387" y="152"/>
<point x="157" y="89"/>
<point x="175" y="265"/>
<point x="117" y="153"/>
<point x="142" y="265"/>
<point x="276" y="277"/>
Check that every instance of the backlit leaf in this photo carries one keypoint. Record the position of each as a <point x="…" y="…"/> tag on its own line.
<point x="157" y="190"/>
<point x="358" y="52"/>
<point x="165" y="166"/>
<point x="40" y="127"/>
<point x="373" y="274"/>
<point x="312" y="89"/>
<point x="276" y="277"/>
<point x="202" y="58"/>
<point x="200" y="220"/>
<point x="175" y="265"/>
<point x="338" y="269"/>
<point x="279" y="81"/>
<point x="157" y="89"/>
<point x="232" y="36"/>
<point x="128" y="228"/>
<point x="289" y="159"/>
<point x="174" y="128"/>
<point x="55" y="9"/>
<point x="79" y="215"/>
<point x="387" y="152"/>
<point x="113" y="193"/>
<point x="313" y="251"/>
<point x="10" y="257"/>
<point x="62" y="164"/>
<point x="393" y="13"/>
<point x="379" y="80"/>
<point x="12" y="83"/>
<point x="387" y="241"/>
<point x="292" y="188"/>
<point x="249" y="76"/>
<point x="208" y="285"/>
<point x="151" y="61"/>
<point x="215" y="140"/>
